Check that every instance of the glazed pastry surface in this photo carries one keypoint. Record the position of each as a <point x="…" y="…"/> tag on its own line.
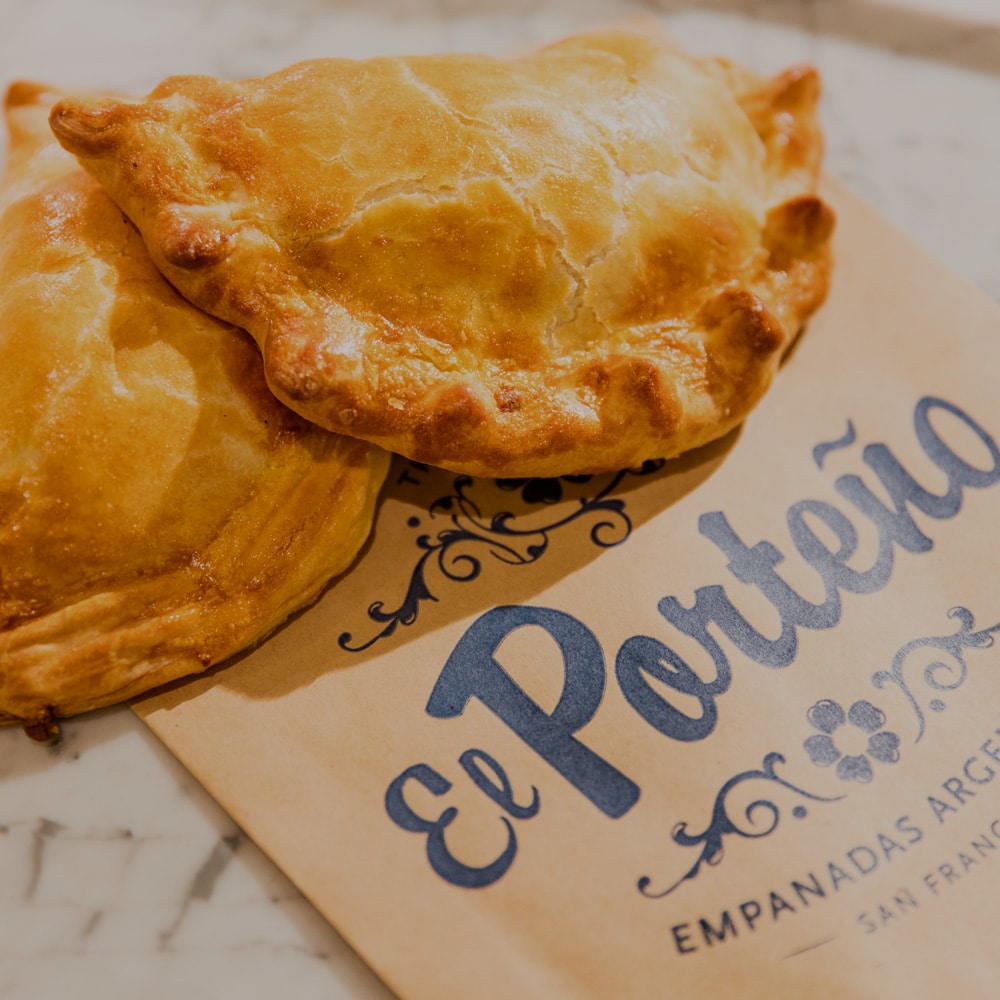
<point x="566" y="262"/>
<point x="160" y="510"/>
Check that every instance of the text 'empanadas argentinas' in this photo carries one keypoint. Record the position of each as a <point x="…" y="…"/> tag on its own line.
<point x="566" y="262"/>
<point x="160" y="510"/>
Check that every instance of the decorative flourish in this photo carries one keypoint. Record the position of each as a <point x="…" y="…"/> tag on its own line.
<point x="938" y="675"/>
<point x="722" y="824"/>
<point x="540" y="490"/>
<point x="828" y="716"/>
<point x="820" y="451"/>
<point x="452" y="549"/>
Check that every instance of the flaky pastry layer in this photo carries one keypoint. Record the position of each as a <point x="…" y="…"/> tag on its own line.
<point x="160" y="510"/>
<point x="566" y="262"/>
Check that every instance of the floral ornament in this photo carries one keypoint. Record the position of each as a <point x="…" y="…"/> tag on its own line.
<point x="828" y="716"/>
<point x="758" y="819"/>
<point x="465" y="529"/>
<point x="535" y="491"/>
<point x="940" y="675"/>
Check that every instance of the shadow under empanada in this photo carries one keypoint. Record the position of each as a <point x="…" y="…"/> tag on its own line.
<point x="445" y="548"/>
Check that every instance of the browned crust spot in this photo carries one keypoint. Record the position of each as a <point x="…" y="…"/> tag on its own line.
<point x="446" y="428"/>
<point x="24" y="92"/>
<point x="42" y="728"/>
<point x="191" y="244"/>
<point x="796" y="229"/>
<point x="84" y="131"/>
<point x="740" y="320"/>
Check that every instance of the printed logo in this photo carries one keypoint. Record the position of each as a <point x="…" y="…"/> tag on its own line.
<point x="647" y="669"/>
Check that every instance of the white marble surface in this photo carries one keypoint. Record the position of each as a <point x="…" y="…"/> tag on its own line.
<point x="119" y="876"/>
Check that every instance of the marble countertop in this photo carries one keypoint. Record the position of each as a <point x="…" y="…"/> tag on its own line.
<point x="119" y="876"/>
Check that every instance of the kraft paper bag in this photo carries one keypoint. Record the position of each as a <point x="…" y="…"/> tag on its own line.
<point x="723" y="726"/>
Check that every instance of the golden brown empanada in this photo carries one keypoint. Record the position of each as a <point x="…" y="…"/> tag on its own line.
<point x="566" y="262"/>
<point x="159" y="509"/>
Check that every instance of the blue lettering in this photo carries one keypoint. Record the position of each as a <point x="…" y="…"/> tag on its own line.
<point x="644" y="665"/>
<point x="642" y="655"/>
<point x="499" y="791"/>
<point x="441" y="859"/>
<point x="472" y="671"/>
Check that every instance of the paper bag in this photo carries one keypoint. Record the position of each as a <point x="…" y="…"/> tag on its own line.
<point x="722" y="726"/>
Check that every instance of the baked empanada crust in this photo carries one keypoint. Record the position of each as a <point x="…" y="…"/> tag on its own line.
<point x="570" y="261"/>
<point x="160" y="510"/>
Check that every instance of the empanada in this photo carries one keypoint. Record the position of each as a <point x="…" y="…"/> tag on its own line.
<point x="566" y="262"/>
<point x="159" y="509"/>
